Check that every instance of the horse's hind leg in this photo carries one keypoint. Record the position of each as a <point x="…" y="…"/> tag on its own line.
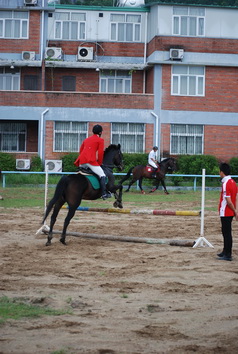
<point x="54" y="215"/>
<point x="130" y="184"/>
<point x="69" y="216"/>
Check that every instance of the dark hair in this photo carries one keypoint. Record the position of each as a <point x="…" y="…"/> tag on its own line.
<point x="97" y="129"/>
<point x="225" y="168"/>
<point x="155" y="147"/>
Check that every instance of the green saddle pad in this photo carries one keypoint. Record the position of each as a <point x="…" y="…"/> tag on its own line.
<point x="94" y="181"/>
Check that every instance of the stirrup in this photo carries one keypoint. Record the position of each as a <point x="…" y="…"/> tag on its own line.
<point x="106" y="195"/>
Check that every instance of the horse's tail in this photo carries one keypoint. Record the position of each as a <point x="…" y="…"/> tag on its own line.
<point x="127" y="176"/>
<point x="60" y="188"/>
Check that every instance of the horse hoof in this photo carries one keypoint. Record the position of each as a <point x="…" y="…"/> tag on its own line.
<point x="127" y="190"/>
<point x="48" y="243"/>
<point x="120" y="206"/>
<point x="115" y="204"/>
<point x="63" y="242"/>
<point x="142" y="192"/>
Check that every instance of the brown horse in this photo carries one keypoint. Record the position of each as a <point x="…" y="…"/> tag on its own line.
<point x="139" y="172"/>
<point x="71" y="189"/>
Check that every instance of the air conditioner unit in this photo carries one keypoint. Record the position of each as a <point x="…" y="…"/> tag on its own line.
<point x="23" y="164"/>
<point x="176" y="54"/>
<point x="30" y="2"/>
<point x="53" y="53"/>
<point x="28" y="55"/>
<point x="53" y="165"/>
<point x="85" y="53"/>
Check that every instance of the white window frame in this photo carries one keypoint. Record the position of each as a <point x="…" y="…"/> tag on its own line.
<point x="15" y="133"/>
<point x="188" y="15"/>
<point x="60" y="23"/>
<point x="63" y="136"/>
<point x="19" y="26"/>
<point x="115" y="81"/>
<point x="123" y="22"/>
<point x="9" y="79"/>
<point x="185" y="80"/>
<point x="182" y="139"/>
<point x="126" y="130"/>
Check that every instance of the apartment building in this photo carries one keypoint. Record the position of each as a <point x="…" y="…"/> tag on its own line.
<point x="160" y="74"/>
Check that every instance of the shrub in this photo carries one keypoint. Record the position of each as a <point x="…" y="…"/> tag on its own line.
<point x="131" y="160"/>
<point x="234" y="165"/>
<point x="193" y="164"/>
<point x="68" y="162"/>
<point x="7" y="162"/>
<point x="36" y="164"/>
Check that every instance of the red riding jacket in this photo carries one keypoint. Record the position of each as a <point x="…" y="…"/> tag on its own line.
<point x="91" y="151"/>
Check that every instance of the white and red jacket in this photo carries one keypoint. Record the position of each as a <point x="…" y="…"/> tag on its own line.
<point x="229" y="189"/>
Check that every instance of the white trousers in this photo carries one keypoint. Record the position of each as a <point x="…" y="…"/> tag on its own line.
<point x="96" y="169"/>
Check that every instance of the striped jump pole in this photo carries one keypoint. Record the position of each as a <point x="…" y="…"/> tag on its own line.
<point x="140" y="211"/>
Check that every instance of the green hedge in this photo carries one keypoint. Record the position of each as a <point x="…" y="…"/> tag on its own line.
<point x="187" y="164"/>
<point x="193" y="164"/>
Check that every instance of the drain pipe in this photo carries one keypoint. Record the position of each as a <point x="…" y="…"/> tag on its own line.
<point x="157" y="132"/>
<point x="42" y="132"/>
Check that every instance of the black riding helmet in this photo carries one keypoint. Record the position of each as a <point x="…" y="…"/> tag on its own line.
<point x="97" y="129"/>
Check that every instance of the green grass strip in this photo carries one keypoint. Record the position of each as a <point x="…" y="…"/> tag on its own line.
<point x="16" y="309"/>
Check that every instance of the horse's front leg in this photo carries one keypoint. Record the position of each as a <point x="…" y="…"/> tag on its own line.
<point x="118" y="197"/>
<point x="140" y="185"/>
<point x="156" y="187"/>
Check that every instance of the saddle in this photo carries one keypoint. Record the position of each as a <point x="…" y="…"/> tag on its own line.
<point x="91" y="177"/>
<point x="149" y="168"/>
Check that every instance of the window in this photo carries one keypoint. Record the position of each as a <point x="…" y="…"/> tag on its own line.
<point x="188" y="80"/>
<point x="70" y="25"/>
<point x="186" y="139"/>
<point x="14" y="24"/>
<point x="9" y="79"/>
<point x="131" y="136"/>
<point x="114" y="81"/>
<point x="30" y="82"/>
<point x="188" y="21"/>
<point x="13" y="136"/>
<point x="69" y="83"/>
<point x="68" y="136"/>
<point x="125" y="28"/>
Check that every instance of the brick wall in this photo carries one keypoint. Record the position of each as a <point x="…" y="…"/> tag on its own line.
<point x="221" y="141"/>
<point x="104" y="48"/>
<point x="32" y="136"/>
<point x="194" y="44"/>
<point x="31" y="44"/>
<point x="74" y="99"/>
<point x="221" y="92"/>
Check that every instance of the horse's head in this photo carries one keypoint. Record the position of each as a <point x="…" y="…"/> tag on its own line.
<point x="172" y="164"/>
<point x="168" y="164"/>
<point x="113" y="156"/>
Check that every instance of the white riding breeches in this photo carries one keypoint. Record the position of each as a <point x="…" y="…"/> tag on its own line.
<point x="153" y="164"/>
<point x="96" y="169"/>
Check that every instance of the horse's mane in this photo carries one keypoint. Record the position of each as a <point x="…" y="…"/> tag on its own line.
<point x="111" y="147"/>
<point x="165" y="160"/>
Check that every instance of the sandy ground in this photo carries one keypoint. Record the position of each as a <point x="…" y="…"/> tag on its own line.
<point x="123" y="297"/>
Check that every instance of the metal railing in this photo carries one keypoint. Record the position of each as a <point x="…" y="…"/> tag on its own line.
<point x="195" y="177"/>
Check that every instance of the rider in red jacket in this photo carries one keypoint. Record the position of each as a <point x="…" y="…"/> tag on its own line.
<point x="91" y="155"/>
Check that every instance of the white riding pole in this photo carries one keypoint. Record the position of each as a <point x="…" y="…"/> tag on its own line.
<point x="45" y="227"/>
<point x="201" y="240"/>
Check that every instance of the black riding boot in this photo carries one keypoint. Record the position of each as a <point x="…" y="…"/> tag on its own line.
<point x="105" y="193"/>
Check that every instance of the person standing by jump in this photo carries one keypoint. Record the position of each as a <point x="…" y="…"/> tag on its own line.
<point x="91" y="155"/>
<point x="227" y="210"/>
